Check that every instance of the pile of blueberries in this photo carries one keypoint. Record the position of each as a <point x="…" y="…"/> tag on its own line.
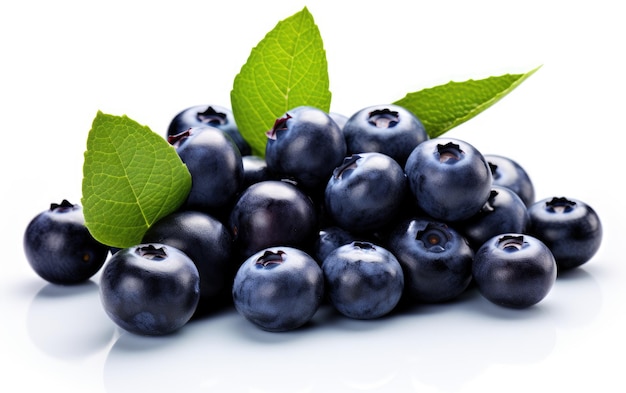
<point x="363" y="213"/>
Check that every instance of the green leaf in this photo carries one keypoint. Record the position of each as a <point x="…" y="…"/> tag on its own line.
<point x="444" y="107"/>
<point x="286" y="69"/>
<point x="131" y="178"/>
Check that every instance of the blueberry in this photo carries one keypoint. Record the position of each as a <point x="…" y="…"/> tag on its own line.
<point x="339" y="118"/>
<point x="330" y="238"/>
<point x="569" y="227"/>
<point x="215" y="165"/>
<point x="508" y="173"/>
<point x="514" y="270"/>
<point x="150" y="289"/>
<point x="278" y="288"/>
<point x="435" y="258"/>
<point x="208" y="243"/>
<point x="59" y="247"/>
<point x="504" y="212"/>
<point x="388" y="129"/>
<point x="363" y="280"/>
<point x="255" y="170"/>
<point x="305" y="144"/>
<point x="366" y="192"/>
<point x="449" y="178"/>
<point x="209" y="115"/>
<point x="272" y="213"/>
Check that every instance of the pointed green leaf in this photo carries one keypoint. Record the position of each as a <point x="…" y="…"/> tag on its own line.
<point x="286" y="69"/>
<point x="444" y="107"/>
<point x="131" y="178"/>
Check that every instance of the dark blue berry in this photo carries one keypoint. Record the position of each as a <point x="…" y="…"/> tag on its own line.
<point x="306" y="144"/>
<point x="508" y="173"/>
<point x="569" y="227"/>
<point x="363" y="280"/>
<point x="366" y="192"/>
<point x="279" y="288"/>
<point x="272" y="213"/>
<point x="514" y="270"/>
<point x="255" y="170"/>
<point x="504" y="212"/>
<point x="339" y="118"/>
<point x="209" y="115"/>
<point x="215" y="165"/>
<point x="449" y="178"/>
<point x="208" y="243"/>
<point x="150" y="289"/>
<point x="435" y="258"/>
<point x="388" y="129"/>
<point x="330" y="238"/>
<point x="59" y="247"/>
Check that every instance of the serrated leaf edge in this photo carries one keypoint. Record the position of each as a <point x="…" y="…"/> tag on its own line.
<point x="480" y="107"/>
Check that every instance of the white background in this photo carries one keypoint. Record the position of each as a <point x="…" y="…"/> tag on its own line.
<point x="62" y="61"/>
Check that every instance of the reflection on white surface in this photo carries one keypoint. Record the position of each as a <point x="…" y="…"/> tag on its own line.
<point x="443" y="347"/>
<point x="68" y="322"/>
<point x="440" y="347"/>
<point x="579" y="298"/>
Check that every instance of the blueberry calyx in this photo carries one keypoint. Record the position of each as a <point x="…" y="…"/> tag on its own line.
<point x="348" y="165"/>
<point x="511" y="243"/>
<point x="270" y="259"/>
<point x="434" y="237"/>
<point x="489" y="207"/>
<point x="151" y="252"/>
<point x="177" y="139"/>
<point x="279" y="125"/>
<point x="449" y="153"/>
<point x="366" y="246"/>
<point x="560" y="205"/>
<point x="383" y="118"/>
<point x="64" y="206"/>
<point x="494" y="170"/>
<point x="212" y="117"/>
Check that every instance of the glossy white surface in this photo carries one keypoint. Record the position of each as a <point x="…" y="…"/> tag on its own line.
<point x="64" y="60"/>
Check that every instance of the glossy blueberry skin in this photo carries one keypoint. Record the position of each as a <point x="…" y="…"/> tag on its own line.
<point x="208" y="243"/>
<point x="363" y="280"/>
<point x="209" y="115"/>
<point x="388" y="129"/>
<point x="514" y="270"/>
<point x="215" y="165"/>
<point x="272" y="213"/>
<point x="330" y="238"/>
<point x="449" y="178"/>
<point x="150" y="289"/>
<point x="59" y="247"/>
<point x="504" y="212"/>
<point x="255" y="170"/>
<point x="509" y="173"/>
<point x="339" y="118"/>
<point x="278" y="288"/>
<point x="305" y="144"/>
<point x="435" y="258"/>
<point x="366" y="192"/>
<point x="569" y="227"/>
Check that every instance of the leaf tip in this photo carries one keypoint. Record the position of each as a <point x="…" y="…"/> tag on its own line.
<point x="529" y="73"/>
